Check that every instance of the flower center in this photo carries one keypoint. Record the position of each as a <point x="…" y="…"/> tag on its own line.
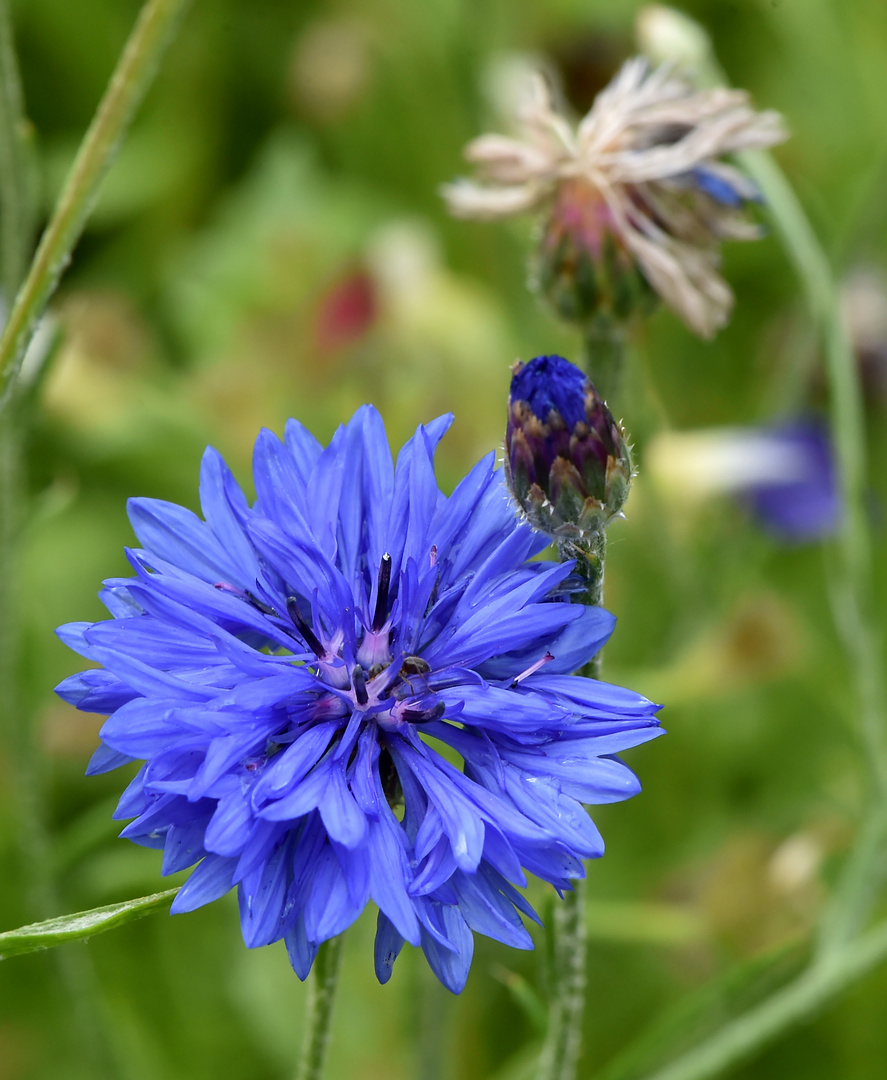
<point x="363" y="677"/>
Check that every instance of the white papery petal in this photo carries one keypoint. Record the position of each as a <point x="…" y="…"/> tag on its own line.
<point x="638" y="146"/>
<point x="469" y="200"/>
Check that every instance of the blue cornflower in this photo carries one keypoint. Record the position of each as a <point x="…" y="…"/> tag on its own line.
<point x="299" y="675"/>
<point x="786" y="473"/>
<point x="805" y="503"/>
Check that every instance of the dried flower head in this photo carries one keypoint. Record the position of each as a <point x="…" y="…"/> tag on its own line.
<point x="639" y="184"/>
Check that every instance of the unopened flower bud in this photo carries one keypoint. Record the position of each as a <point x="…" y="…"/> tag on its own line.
<point x="566" y="458"/>
<point x="582" y="265"/>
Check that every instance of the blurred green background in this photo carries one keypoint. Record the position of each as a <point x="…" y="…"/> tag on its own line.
<point x="271" y="243"/>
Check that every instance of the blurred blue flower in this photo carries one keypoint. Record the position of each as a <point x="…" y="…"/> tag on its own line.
<point x="785" y="473"/>
<point x="804" y="502"/>
<point x="358" y="688"/>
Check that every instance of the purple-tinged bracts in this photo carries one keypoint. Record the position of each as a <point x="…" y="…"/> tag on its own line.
<point x="567" y="461"/>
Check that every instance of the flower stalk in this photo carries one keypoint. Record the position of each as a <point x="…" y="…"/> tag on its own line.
<point x="589" y="554"/>
<point x="603" y="355"/>
<point x="569" y="469"/>
<point x="563" y="1039"/>
<point x="321" y="997"/>
<point x="566" y="1008"/>
<point x="132" y="76"/>
<point x="569" y="472"/>
<point x="852" y="570"/>
<point x="843" y="955"/>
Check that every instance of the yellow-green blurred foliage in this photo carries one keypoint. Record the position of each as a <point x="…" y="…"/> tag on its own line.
<point x="271" y="243"/>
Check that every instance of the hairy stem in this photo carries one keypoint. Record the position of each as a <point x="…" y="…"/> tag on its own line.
<point x="324" y="979"/>
<point x="563" y="1039"/>
<point x="602" y="358"/>
<point x="840" y="959"/>
<point x="589" y="555"/>
<point x="851" y="592"/>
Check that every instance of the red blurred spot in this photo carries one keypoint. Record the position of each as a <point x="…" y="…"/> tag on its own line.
<point x="346" y="312"/>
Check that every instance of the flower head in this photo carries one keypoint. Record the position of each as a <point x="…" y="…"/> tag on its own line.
<point x="638" y="184"/>
<point x="300" y="675"/>
<point x="785" y="473"/>
<point x="566" y="458"/>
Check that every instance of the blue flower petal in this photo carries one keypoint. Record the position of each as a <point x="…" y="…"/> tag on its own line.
<point x="105" y="759"/>
<point x="211" y="880"/>
<point x="387" y="947"/>
<point x="288" y="688"/>
<point x="451" y="966"/>
<point x="344" y="820"/>
<point x="261" y="897"/>
<point x="180" y="538"/>
<point x="299" y="949"/>
<point x="488" y="912"/>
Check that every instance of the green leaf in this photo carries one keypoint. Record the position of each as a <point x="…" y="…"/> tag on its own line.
<point x="81" y="925"/>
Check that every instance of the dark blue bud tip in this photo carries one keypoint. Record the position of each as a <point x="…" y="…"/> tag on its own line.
<point x="551" y="382"/>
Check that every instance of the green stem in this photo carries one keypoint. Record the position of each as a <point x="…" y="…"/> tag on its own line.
<point x="846" y="401"/>
<point x="840" y="959"/>
<point x="16" y="180"/>
<point x="603" y="355"/>
<point x="320" y="1008"/>
<point x="127" y="87"/>
<point x="590" y="555"/>
<point x="602" y="358"/>
<point x="563" y="1038"/>
<point x="433" y="1004"/>
<point x="852" y="592"/>
<point x="742" y="1038"/>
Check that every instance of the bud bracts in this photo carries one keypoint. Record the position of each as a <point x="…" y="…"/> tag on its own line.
<point x="566" y="458"/>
